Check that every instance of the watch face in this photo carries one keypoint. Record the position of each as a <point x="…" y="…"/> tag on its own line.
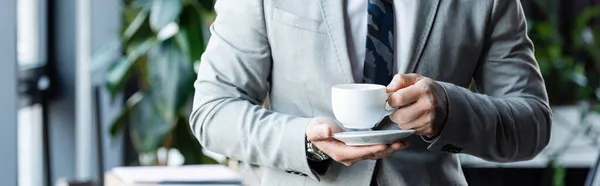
<point x="315" y="157"/>
<point x="314" y="154"/>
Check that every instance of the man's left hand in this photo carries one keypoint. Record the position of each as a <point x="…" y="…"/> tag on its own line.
<point x="415" y="97"/>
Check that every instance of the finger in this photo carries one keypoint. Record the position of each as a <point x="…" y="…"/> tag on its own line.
<point x="424" y="130"/>
<point x="396" y="146"/>
<point x="340" y="151"/>
<point x="406" y="96"/>
<point x="399" y="145"/>
<point x="319" y="132"/>
<point x="348" y="155"/>
<point x="401" y="81"/>
<point x="335" y="128"/>
<point x="412" y="112"/>
<point x="357" y="153"/>
<point x="421" y="126"/>
<point x="381" y="154"/>
<point x="330" y="146"/>
<point x="416" y="123"/>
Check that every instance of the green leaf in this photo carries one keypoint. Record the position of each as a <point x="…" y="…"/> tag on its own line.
<point x="128" y="15"/>
<point x="144" y="5"/>
<point x="118" y="74"/>
<point x="597" y="108"/>
<point x="554" y="52"/>
<point x="119" y="122"/>
<point x="186" y="143"/>
<point x="170" y="76"/>
<point x="141" y="35"/>
<point x="148" y="128"/>
<point x="117" y="125"/>
<point x="582" y="27"/>
<point x="558" y="177"/>
<point x="121" y="70"/>
<point x="142" y="48"/>
<point x="135" y="25"/>
<point x="578" y="75"/>
<point x="548" y="9"/>
<point x="164" y="12"/>
<point x="104" y="56"/>
<point x="190" y="37"/>
<point x="207" y="4"/>
<point x="584" y="18"/>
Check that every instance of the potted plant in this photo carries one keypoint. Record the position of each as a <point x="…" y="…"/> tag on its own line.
<point x="161" y="43"/>
<point x="570" y="64"/>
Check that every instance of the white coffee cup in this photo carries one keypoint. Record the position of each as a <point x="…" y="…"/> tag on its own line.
<point x="360" y="106"/>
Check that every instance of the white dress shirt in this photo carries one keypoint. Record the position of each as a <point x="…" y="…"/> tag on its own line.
<point x="356" y="33"/>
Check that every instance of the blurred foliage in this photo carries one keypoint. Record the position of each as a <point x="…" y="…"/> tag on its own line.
<point x="570" y="63"/>
<point x="559" y="172"/>
<point x="569" y="57"/>
<point x="161" y="41"/>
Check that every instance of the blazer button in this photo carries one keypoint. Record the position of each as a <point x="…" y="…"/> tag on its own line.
<point x="458" y="150"/>
<point x="451" y="149"/>
<point x="446" y="148"/>
<point x="293" y="172"/>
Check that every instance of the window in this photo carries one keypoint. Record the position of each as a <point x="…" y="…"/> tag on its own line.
<point x="31" y="33"/>
<point x="31" y="56"/>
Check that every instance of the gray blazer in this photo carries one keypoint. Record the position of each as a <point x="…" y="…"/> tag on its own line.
<point x="293" y="51"/>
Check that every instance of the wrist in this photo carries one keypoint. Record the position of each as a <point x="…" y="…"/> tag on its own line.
<point x="313" y="153"/>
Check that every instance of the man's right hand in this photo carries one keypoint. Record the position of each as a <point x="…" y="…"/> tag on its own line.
<point x="320" y="133"/>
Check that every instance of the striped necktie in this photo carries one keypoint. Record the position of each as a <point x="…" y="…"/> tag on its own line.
<point x="379" y="56"/>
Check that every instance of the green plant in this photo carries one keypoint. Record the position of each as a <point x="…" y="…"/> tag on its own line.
<point x="161" y="42"/>
<point x="570" y="64"/>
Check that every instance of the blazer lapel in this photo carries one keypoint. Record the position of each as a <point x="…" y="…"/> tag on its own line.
<point x="333" y="15"/>
<point x="424" y="20"/>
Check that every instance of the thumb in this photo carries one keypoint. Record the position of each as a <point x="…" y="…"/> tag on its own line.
<point x="320" y="132"/>
<point x="401" y="81"/>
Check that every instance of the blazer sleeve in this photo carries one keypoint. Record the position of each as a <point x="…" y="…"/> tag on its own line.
<point x="511" y="120"/>
<point x="232" y="83"/>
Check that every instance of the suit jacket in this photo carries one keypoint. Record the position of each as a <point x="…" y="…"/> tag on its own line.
<point x="293" y="51"/>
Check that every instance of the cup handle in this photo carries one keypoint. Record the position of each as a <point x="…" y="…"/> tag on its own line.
<point x="389" y="109"/>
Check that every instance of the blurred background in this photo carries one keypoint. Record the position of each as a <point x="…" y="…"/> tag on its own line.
<point x="91" y="85"/>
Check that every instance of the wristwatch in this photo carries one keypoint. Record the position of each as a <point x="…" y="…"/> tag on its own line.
<point x="313" y="153"/>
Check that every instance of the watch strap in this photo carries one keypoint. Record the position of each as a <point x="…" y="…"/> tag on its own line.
<point x="313" y="153"/>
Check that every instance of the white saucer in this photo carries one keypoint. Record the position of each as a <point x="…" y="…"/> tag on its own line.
<point x="361" y="138"/>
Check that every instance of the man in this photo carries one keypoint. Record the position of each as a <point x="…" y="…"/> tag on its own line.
<point x="293" y="51"/>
